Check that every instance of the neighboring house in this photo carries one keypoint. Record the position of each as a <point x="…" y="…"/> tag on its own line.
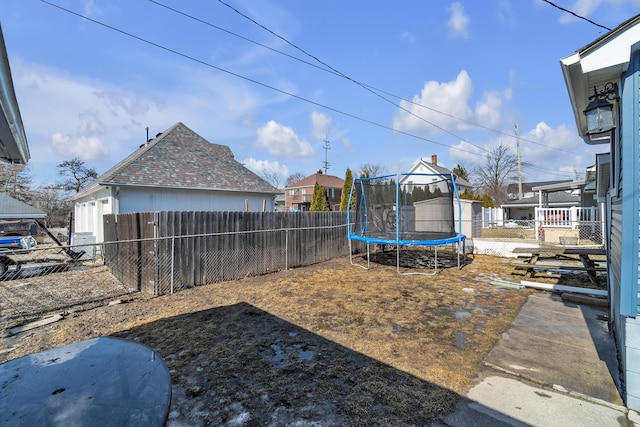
<point x="422" y="166"/>
<point x="178" y="170"/>
<point x="513" y="189"/>
<point x="13" y="140"/>
<point x="550" y="194"/>
<point x="279" y="202"/>
<point x="610" y="66"/>
<point x="298" y="196"/>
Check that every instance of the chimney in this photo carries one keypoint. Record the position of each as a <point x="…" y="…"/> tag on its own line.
<point x="434" y="159"/>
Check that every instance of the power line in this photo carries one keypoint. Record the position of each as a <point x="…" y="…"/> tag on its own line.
<point x="265" y="85"/>
<point x="576" y="15"/>
<point x="377" y="91"/>
<point x="365" y="87"/>
<point x="328" y="69"/>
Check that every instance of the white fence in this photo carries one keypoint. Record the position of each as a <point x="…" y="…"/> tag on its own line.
<point x="492" y="217"/>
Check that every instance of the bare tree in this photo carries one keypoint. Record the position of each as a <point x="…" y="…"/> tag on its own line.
<point x="293" y="178"/>
<point x="15" y="180"/>
<point x="271" y="174"/>
<point x="370" y="170"/>
<point x="76" y="174"/>
<point x="54" y="204"/>
<point x="501" y="166"/>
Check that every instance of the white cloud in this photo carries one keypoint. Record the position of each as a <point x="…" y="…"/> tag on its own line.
<point x="506" y="13"/>
<point x="408" y="36"/>
<point x="445" y="106"/>
<point x="321" y="125"/>
<point x="547" y="153"/>
<point x="260" y="166"/>
<point x="282" y="141"/>
<point x="86" y="148"/>
<point x="458" y="22"/>
<point x="450" y="98"/>
<point x="104" y="122"/>
<point x="467" y="154"/>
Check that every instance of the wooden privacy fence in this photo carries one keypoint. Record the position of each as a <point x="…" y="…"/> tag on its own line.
<point x="163" y="252"/>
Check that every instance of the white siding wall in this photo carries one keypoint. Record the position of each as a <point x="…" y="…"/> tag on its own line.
<point x="89" y="210"/>
<point x="632" y="361"/>
<point x="149" y="200"/>
<point x="88" y="213"/>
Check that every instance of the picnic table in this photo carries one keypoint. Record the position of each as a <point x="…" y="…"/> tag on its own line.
<point x="102" y="381"/>
<point x="560" y="258"/>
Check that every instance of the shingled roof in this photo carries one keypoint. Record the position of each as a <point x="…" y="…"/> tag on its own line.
<point x="11" y="208"/>
<point x="180" y="158"/>
<point x="327" y="181"/>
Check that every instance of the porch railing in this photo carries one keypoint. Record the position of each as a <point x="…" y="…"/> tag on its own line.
<point x="585" y="219"/>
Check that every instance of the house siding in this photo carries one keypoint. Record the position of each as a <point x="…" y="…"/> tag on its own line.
<point x="624" y="244"/>
<point x="631" y="361"/>
<point x="167" y="199"/>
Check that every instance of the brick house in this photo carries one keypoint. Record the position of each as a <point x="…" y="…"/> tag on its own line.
<point x="298" y="195"/>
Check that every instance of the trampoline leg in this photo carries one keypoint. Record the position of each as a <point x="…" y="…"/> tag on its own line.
<point x="355" y="263"/>
<point x="435" y="266"/>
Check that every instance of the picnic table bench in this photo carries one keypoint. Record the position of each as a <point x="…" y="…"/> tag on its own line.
<point x="565" y="260"/>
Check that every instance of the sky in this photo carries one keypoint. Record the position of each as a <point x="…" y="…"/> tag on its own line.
<point x="299" y="86"/>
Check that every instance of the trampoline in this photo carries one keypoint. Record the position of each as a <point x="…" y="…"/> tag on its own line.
<point x="414" y="210"/>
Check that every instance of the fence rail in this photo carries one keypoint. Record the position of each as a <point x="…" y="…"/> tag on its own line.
<point x="164" y="252"/>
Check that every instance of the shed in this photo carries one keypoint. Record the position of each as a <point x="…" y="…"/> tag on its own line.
<point x="176" y="170"/>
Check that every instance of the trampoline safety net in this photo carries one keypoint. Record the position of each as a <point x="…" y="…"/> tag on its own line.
<point x="409" y="209"/>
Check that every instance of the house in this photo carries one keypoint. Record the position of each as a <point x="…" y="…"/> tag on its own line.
<point x="13" y="140"/>
<point x="513" y="189"/>
<point x="422" y="166"/>
<point x="178" y="170"/>
<point x="603" y="82"/>
<point x="298" y="195"/>
<point x="549" y="194"/>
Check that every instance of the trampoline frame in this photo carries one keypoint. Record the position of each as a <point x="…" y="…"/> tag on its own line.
<point x="459" y="239"/>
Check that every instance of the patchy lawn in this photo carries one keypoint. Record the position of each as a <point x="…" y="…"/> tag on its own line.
<point x="329" y="344"/>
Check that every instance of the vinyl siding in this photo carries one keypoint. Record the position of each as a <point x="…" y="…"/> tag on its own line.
<point x="631" y="360"/>
<point x="150" y="200"/>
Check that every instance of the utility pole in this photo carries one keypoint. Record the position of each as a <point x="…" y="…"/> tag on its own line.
<point x="326" y="154"/>
<point x="519" y="169"/>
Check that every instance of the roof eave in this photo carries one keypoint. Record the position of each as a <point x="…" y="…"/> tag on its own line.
<point x="602" y="61"/>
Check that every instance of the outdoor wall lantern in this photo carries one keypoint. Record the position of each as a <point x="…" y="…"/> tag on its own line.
<point x="599" y="112"/>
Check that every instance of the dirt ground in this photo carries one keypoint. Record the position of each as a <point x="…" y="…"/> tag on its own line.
<point x="331" y="344"/>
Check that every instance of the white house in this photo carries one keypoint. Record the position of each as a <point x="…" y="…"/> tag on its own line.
<point x="422" y="166"/>
<point x="178" y="170"/>
<point x="604" y="78"/>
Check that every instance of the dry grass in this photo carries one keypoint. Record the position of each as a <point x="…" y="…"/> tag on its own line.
<point x="331" y="343"/>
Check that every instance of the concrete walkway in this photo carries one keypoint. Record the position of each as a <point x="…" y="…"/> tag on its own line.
<point x="555" y="366"/>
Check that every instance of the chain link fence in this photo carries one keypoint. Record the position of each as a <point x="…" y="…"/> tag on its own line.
<point x="45" y="280"/>
<point x="500" y="239"/>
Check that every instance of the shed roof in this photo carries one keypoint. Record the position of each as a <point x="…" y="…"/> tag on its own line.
<point x="11" y="208"/>
<point x="180" y="158"/>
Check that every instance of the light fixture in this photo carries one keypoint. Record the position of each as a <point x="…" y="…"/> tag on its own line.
<point x="599" y="112"/>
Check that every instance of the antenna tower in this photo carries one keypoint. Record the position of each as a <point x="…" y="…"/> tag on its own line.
<point x="326" y="154"/>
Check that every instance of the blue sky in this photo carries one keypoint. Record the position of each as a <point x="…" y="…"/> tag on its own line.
<point x="467" y="71"/>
